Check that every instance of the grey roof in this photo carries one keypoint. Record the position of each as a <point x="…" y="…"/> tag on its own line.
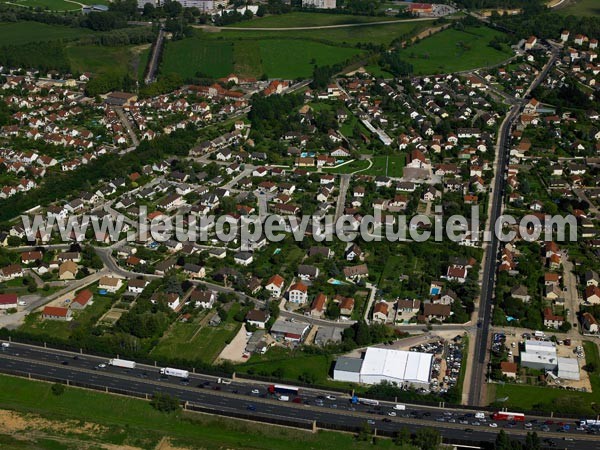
<point x="346" y="364"/>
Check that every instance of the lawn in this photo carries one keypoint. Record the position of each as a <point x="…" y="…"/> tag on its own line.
<point x="193" y="56"/>
<point x="581" y="8"/>
<point x="527" y="397"/>
<point x="132" y="422"/>
<point x="24" y="32"/>
<point x="454" y="50"/>
<point x="182" y="340"/>
<point x="391" y="166"/>
<point x="351" y="167"/>
<point x="50" y="5"/>
<point x="308" y="19"/>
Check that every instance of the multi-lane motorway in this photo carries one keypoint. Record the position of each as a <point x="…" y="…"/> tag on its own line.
<point x="326" y="409"/>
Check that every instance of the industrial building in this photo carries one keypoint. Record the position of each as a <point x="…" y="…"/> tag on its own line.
<point x="541" y="355"/>
<point x="381" y="364"/>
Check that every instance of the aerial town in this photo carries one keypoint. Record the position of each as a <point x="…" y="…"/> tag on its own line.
<point x="457" y="146"/>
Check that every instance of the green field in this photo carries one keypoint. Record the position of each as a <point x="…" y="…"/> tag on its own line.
<point x="188" y="57"/>
<point x="581" y="8"/>
<point x="307" y="19"/>
<point x="25" y="32"/>
<point x="87" y="317"/>
<point x="196" y="342"/>
<point x="290" y="364"/>
<point x="453" y="50"/>
<point x="278" y="58"/>
<point x="293" y="58"/>
<point x="347" y="36"/>
<point x="391" y="166"/>
<point x="527" y="397"/>
<point x="131" y="422"/>
<point x="50" y="5"/>
<point x="99" y="58"/>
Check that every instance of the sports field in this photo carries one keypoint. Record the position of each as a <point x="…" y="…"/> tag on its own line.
<point x="454" y="50"/>
<point x="308" y="19"/>
<point x="24" y="32"/>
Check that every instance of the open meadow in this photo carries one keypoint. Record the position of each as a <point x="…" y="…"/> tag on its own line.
<point x="454" y="50"/>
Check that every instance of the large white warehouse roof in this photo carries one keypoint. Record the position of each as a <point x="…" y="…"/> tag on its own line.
<point x="396" y="365"/>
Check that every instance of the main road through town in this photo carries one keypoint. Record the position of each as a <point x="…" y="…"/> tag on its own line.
<point x="326" y="409"/>
<point x="479" y="365"/>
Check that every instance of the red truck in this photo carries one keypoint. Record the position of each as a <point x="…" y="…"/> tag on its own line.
<point x="516" y="417"/>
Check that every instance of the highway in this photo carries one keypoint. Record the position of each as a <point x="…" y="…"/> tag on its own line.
<point x="251" y="397"/>
<point x="479" y="363"/>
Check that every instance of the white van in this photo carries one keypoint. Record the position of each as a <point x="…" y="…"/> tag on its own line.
<point x="284" y="398"/>
<point x="479" y="415"/>
<point x="5" y="344"/>
<point x="399" y="407"/>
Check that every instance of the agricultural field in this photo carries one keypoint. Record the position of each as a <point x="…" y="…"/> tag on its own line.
<point x="103" y="59"/>
<point x="193" y="56"/>
<point x="344" y="36"/>
<point x="308" y="19"/>
<point x="49" y="5"/>
<point x="581" y="8"/>
<point x="24" y="32"/>
<point x="277" y="58"/>
<point x="454" y="50"/>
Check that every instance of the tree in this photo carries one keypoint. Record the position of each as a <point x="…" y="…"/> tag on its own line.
<point x="58" y="389"/>
<point x="164" y="402"/>
<point x="427" y="438"/>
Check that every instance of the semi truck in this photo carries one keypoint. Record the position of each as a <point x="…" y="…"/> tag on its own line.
<point x="512" y="416"/>
<point x="174" y="372"/>
<point x="122" y="363"/>
<point x="365" y="401"/>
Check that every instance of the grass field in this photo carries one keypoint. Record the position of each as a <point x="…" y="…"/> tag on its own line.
<point x="376" y="34"/>
<point x="294" y="58"/>
<point x="453" y="50"/>
<point x="391" y="166"/>
<point x="188" y="57"/>
<point x="307" y="19"/>
<point x="526" y="397"/>
<point x="581" y="8"/>
<point x="278" y="58"/>
<point x="97" y="58"/>
<point x="292" y="364"/>
<point x="124" y="421"/>
<point x="182" y="340"/>
<point x="25" y="32"/>
<point x="50" y="5"/>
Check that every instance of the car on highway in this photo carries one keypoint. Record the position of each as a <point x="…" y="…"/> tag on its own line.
<point x="493" y="425"/>
<point x="392" y="414"/>
<point x="101" y="366"/>
<point x="65" y="363"/>
<point x="251" y="408"/>
<point x="387" y="419"/>
<point x="330" y="397"/>
<point x="255" y="392"/>
<point x="468" y="430"/>
<point x="371" y="422"/>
